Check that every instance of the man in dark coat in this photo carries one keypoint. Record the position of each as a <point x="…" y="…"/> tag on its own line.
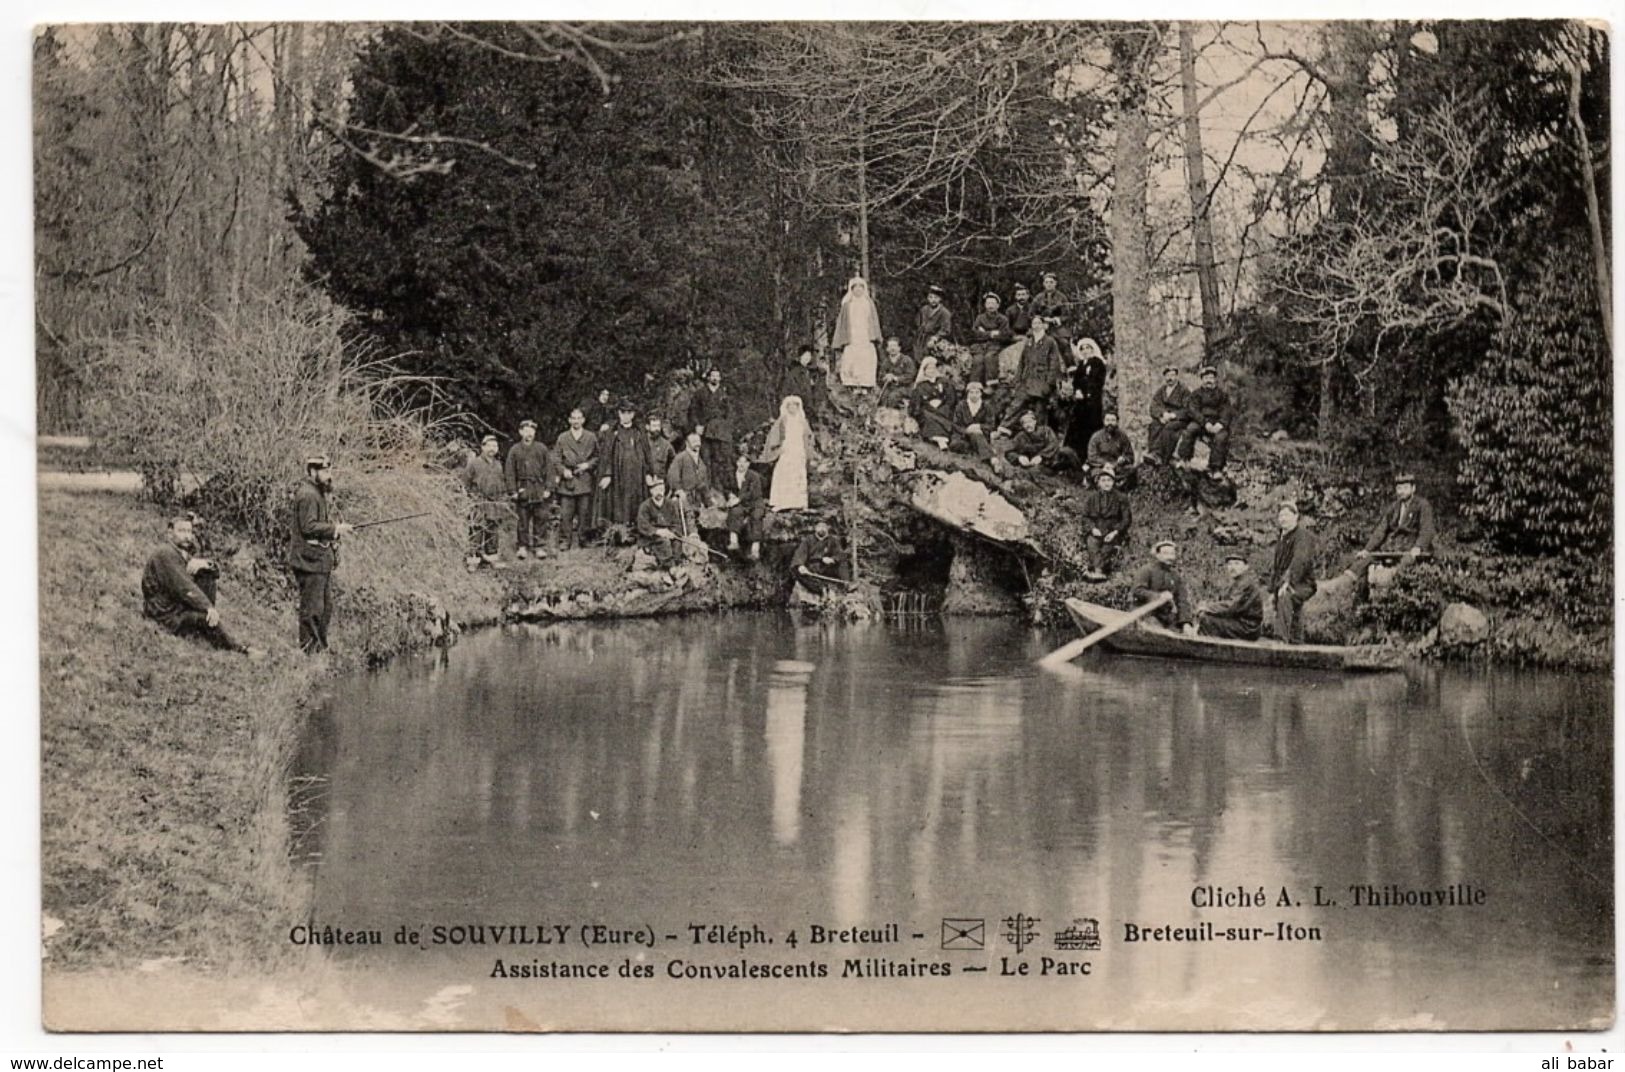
<point x="818" y="563"/>
<point x="711" y="413"/>
<point x="1168" y="417"/>
<point x="313" y="552"/>
<point x="688" y="476"/>
<point x="896" y="375"/>
<point x="1239" y="613"/>
<point x="488" y="486"/>
<point x="973" y="422"/>
<point x="1040" y="374"/>
<point x="1292" y="574"/>
<point x="1106" y="520"/>
<point x="932" y="322"/>
<point x="1158" y="576"/>
<point x="990" y="333"/>
<point x="1052" y="305"/>
<point x="1037" y="445"/>
<point x="747" y="508"/>
<point x="808" y="381"/>
<point x="529" y="473"/>
<point x="660" y="450"/>
<point x="1406" y="525"/>
<point x="178" y="589"/>
<point x="575" y="453"/>
<point x="623" y="468"/>
<point x="659" y="525"/>
<point x="1110" y="448"/>
<point x="1019" y="312"/>
<point x="599" y="412"/>
<point x="1210" y="417"/>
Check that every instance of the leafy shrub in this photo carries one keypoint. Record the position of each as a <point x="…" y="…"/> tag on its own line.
<point x="1535" y="419"/>
<point x="220" y="410"/>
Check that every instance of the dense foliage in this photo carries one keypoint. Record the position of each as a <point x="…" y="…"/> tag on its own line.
<point x="1536" y="419"/>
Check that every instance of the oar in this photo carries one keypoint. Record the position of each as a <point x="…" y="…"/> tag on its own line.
<point x="831" y="580"/>
<point x="1067" y="652"/>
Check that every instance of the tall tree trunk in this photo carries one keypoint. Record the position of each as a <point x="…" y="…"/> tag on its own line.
<point x="863" y="193"/>
<point x="1131" y="274"/>
<point x="1207" y="276"/>
<point x="1599" y="246"/>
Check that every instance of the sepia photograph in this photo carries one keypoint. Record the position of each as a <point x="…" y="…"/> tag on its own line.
<point x="795" y="526"/>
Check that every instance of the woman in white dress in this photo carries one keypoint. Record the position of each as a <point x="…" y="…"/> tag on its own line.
<point x="857" y="335"/>
<point x="789" y="445"/>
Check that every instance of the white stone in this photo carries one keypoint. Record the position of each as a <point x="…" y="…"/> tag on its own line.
<point x="1462" y="624"/>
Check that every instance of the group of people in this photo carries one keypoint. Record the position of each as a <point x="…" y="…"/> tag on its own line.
<point x="1403" y="534"/>
<point x="632" y="481"/>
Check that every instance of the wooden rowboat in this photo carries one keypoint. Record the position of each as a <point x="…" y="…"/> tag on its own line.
<point x="1151" y="638"/>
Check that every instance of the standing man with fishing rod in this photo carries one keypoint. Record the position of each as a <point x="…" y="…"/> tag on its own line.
<point x="313" y="551"/>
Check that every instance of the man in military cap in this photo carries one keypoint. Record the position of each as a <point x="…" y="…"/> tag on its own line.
<point x="178" y="589"/>
<point x="1292" y="574"/>
<point x="1406" y="525"/>
<point x="1106" y="520"/>
<point x="1051" y="304"/>
<point x="488" y="486"/>
<point x="990" y="333"/>
<point x="528" y="474"/>
<point x="1158" y="576"/>
<point x="575" y="454"/>
<point x="1210" y="417"/>
<point x="1239" y="613"/>
<point x="818" y="563"/>
<point x="932" y="322"/>
<point x="1168" y="417"/>
<point x="313" y="552"/>
<point x="659" y="526"/>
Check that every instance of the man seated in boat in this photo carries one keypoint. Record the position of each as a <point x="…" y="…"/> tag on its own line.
<point x="1110" y="448"/>
<point x="1106" y="521"/>
<point x="1406" y="526"/>
<point x="1158" y="576"/>
<point x="659" y="524"/>
<point x="1037" y="445"/>
<point x="818" y="564"/>
<point x="1239" y="613"/>
<point x="1292" y="575"/>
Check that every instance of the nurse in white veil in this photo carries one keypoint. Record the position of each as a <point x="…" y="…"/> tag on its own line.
<point x="857" y="335"/>
<point x="789" y="445"/>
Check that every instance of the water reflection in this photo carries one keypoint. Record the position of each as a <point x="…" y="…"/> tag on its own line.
<point x="760" y="768"/>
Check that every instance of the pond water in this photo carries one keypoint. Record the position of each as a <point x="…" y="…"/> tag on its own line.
<point x="757" y="772"/>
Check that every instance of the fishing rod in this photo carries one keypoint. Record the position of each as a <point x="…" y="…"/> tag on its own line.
<point x="405" y="517"/>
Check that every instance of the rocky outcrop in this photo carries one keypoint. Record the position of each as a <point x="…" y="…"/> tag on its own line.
<point x="1463" y="625"/>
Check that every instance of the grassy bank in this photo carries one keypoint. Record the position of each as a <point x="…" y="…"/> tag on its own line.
<point x="164" y="818"/>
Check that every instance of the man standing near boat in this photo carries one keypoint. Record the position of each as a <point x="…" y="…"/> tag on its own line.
<point x="1292" y="577"/>
<point x="1159" y="576"/>
<point x="1239" y="613"/>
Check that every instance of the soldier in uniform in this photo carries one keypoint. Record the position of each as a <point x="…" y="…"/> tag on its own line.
<point x="1106" y="521"/>
<point x="529" y="474"/>
<point x="488" y="486"/>
<point x="711" y="413"/>
<point x="313" y="551"/>
<point x="1110" y="448"/>
<point x="747" y="508"/>
<point x="1405" y="525"/>
<point x="1158" y="576"/>
<point x="659" y="525"/>
<point x="1051" y="304"/>
<point x="178" y="589"/>
<point x="1210" y="417"/>
<point x="934" y="321"/>
<point x="1292" y="575"/>
<point x="575" y="453"/>
<point x="1168" y="417"/>
<point x="1239" y="613"/>
<point x="818" y="563"/>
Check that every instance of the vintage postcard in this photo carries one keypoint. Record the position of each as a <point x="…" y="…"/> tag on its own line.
<point x="797" y="526"/>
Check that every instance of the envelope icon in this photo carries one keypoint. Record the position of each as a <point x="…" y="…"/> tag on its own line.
<point x="964" y="933"/>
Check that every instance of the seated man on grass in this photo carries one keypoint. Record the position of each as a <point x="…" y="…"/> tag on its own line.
<point x="1037" y="446"/>
<point x="178" y="589"/>
<point x="1106" y="521"/>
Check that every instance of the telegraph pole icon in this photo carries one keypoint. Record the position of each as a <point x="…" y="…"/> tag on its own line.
<point x="1020" y="930"/>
